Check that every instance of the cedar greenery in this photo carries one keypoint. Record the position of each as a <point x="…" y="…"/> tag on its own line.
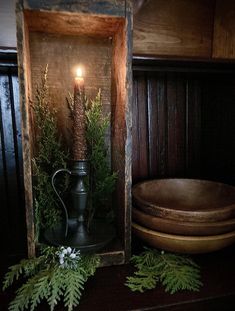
<point x="47" y="280"/>
<point x="101" y="179"/>
<point x="175" y="272"/>
<point x="50" y="156"/>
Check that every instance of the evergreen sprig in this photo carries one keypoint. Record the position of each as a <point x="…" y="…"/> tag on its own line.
<point x="101" y="179"/>
<point x="175" y="272"/>
<point x="49" y="280"/>
<point x="50" y="156"/>
<point x="26" y="267"/>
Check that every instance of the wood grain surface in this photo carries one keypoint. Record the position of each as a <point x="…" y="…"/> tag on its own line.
<point x="183" y="120"/>
<point x="64" y="36"/>
<point x="63" y="53"/>
<point x="176" y="27"/>
<point x="224" y="30"/>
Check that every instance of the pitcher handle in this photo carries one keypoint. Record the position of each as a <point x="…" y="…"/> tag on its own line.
<point x="62" y="170"/>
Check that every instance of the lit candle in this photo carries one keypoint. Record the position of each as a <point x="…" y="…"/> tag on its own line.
<point x="79" y="120"/>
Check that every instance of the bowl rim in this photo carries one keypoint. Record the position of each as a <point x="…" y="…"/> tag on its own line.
<point x="187" y="238"/>
<point x="201" y="215"/>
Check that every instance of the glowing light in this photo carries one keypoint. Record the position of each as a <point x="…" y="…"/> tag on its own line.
<point x="79" y="73"/>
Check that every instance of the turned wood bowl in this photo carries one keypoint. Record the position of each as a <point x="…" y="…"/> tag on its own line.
<point x="185" y="199"/>
<point x="181" y="243"/>
<point x="182" y="227"/>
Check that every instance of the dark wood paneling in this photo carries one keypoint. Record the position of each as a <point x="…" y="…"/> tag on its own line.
<point x="140" y="126"/>
<point x="183" y="123"/>
<point x="12" y="223"/>
<point x="152" y="123"/>
<point x="218" y="128"/>
<point x="176" y="124"/>
<point x="193" y="125"/>
<point x="160" y="130"/>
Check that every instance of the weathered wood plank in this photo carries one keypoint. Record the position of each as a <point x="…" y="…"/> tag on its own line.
<point x="105" y="7"/>
<point x="72" y="24"/>
<point x="121" y="125"/>
<point x="174" y="28"/>
<point x="24" y="87"/>
<point x="83" y="32"/>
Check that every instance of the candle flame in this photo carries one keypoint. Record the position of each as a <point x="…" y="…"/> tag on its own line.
<point x="79" y="72"/>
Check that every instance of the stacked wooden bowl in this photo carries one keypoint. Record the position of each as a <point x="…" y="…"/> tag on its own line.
<point x="184" y="215"/>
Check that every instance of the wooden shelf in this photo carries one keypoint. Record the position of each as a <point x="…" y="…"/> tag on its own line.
<point x="106" y="290"/>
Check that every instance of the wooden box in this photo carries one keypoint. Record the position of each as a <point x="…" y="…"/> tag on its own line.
<point x="98" y="35"/>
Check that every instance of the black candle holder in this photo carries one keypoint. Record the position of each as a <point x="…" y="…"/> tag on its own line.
<point x="73" y="230"/>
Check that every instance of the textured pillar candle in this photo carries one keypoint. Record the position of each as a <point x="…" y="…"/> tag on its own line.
<point x="79" y="120"/>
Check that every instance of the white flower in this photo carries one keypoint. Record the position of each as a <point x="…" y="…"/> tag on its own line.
<point x="68" y="257"/>
<point x="64" y="251"/>
<point x="69" y="250"/>
<point x="61" y="261"/>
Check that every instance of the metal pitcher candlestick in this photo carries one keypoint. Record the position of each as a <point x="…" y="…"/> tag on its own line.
<point x="74" y="232"/>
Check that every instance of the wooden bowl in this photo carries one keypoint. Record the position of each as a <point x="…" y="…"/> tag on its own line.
<point x="180" y="227"/>
<point x="185" y="199"/>
<point x="181" y="243"/>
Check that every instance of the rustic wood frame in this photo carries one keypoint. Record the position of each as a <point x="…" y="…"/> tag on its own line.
<point x="87" y="18"/>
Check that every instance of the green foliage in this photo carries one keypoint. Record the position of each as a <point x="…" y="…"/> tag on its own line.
<point x="49" y="157"/>
<point x="102" y="180"/>
<point x="47" y="279"/>
<point x="26" y="267"/>
<point x="175" y="272"/>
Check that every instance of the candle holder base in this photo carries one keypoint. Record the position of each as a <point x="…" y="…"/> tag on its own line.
<point x="100" y="234"/>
